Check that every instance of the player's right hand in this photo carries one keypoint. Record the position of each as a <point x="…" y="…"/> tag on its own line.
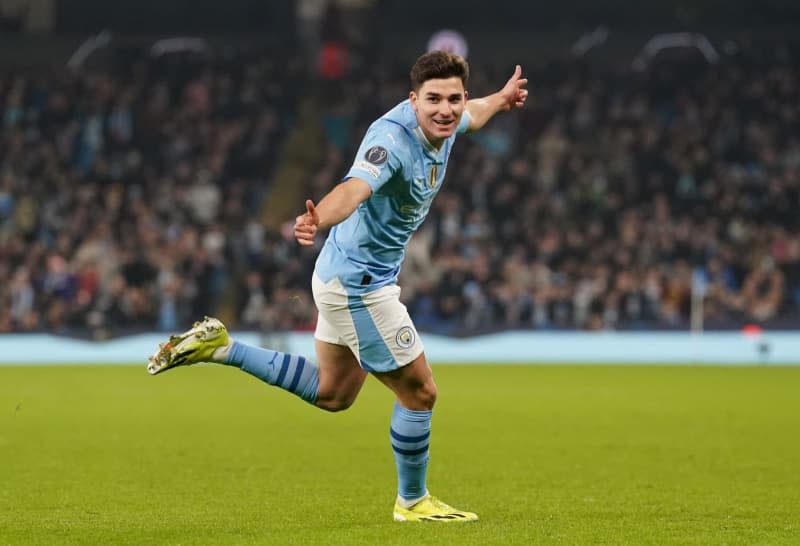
<point x="305" y="225"/>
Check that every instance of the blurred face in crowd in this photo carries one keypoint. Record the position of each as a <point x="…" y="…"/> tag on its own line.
<point x="439" y="104"/>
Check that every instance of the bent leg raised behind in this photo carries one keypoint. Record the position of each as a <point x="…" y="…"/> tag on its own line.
<point x="332" y="385"/>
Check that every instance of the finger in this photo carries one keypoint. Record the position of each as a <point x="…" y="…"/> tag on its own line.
<point x="310" y="207"/>
<point x="304" y="220"/>
<point x="303" y="228"/>
<point x="517" y="73"/>
<point x="305" y="236"/>
<point x="522" y="81"/>
<point x="306" y="227"/>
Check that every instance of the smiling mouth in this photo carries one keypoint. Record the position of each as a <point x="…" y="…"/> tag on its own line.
<point x="443" y="123"/>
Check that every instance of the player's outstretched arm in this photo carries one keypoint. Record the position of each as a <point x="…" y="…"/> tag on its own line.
<point x="337" y="205"/>
<point x="512" y="95"/>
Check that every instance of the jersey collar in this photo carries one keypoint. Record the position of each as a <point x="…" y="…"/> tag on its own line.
<point x="430" y="148"/>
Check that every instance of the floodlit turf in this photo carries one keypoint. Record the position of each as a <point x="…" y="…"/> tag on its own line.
<point x="550" y="455"/>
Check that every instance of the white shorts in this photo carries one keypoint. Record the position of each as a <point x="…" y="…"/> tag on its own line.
<point x="375" y="326"/>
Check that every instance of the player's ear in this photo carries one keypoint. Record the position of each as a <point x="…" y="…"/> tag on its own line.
<point x="412" y="98"/>
<point x="466" y="95"/>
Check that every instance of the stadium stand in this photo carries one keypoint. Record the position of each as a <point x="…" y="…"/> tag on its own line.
<point x="130" y="194"/>
<point x="131" y="200"/>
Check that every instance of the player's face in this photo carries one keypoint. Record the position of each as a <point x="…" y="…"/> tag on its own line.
<point x="439" y="104"/>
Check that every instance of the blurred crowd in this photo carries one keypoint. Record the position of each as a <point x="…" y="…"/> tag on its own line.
<point x="618" y="199"/>
<point x="128" y="195"/>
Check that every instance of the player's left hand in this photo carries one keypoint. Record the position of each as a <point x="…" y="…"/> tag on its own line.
<point x="514" y="93"/>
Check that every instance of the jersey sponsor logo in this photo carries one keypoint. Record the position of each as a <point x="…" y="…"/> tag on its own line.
<point x="376" y="155"/>
<point x="405" y="337"/>
<point x="364" y="166"/>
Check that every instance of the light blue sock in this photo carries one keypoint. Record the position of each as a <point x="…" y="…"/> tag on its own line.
<point x="293" y="373"/>
<point x="410" y="433"/>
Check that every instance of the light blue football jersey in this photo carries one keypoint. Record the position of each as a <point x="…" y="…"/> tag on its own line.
<point x="405" y="173"/>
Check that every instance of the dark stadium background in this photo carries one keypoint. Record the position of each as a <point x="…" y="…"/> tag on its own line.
<point x="315" y="84"/>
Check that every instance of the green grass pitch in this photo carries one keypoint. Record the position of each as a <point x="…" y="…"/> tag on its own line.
<point x="544" y="454"/>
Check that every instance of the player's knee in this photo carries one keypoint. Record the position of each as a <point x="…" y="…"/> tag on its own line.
<point x="429" y="393"/>
<point x="425" y="395"/>
<point x="335" y="404"/>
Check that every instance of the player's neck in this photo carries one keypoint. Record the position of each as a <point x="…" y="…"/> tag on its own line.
<point x="434" y="143"/>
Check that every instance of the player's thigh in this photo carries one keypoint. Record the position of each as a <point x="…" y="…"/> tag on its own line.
<point x="340" y="376"/>
<point x="413" y="384"/>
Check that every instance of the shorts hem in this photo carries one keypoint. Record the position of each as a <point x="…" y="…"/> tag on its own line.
<point x="396" y="366"/>
<point x="330" y="340"/>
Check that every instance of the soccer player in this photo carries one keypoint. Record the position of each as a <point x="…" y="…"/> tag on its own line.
<point x="362" y="326"/>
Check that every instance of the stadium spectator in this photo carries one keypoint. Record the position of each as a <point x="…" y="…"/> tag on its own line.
<point x="603" y="207"/>
<point x="121" y="190"/>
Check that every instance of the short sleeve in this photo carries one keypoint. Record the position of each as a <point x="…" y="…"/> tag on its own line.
<point x="377" y="159"/>
<point x="463" y="125"/>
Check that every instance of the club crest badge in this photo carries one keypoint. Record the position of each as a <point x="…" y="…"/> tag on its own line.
<point x="405" y="337"/>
